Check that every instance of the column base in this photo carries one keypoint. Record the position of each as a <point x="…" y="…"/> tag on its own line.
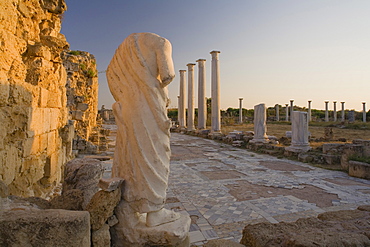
<point x="133" y="231"/>
<point x="215" y="135"/>
<point x="256" y="141"/>
<point x="298" y="148"/>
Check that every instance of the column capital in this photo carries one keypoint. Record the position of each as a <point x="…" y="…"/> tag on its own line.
<point x="182" y="70"/>
<point x="201" y="60"/>
<point x="291" y="100"/>
<point x="190" y="64"/>
<point x="240" y="98"/>
<point x="310" y="101"/>
<point x="286" y="105"/>
<point x="326" y="101"/>
<point x="212" y="52"/>
<point x="363" y="102"/>
<point x="334" y="101"/>
<point x="342" y="102"/>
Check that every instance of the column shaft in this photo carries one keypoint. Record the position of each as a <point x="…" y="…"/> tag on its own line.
<point x="190" y="122"/>
<point x="182" y="100"/>
<point x="202" y="104"/>
<point x="215" y="84"/>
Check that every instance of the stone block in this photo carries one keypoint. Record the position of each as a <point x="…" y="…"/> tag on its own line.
<point x="51" y="227"/>
<point x="46" y="120"/>
<point x="43" y="141"/>
<point x="55" y="101"/>
<point x="82" y="106"/>
<point x="44" y="96"/>
<point x="36" y="119"/>
<point x="359" y="169"/>
<point x="52" y="142"/>
<point x="365" y="144"/>
<point x="332" y="159"/>
<point x="348" y="151"/>
<point x="31" y="146"/>
<point x="77" y="115"/>
<point x="110" y="184"/>
<point x="101" y="237"/>
<point x="332" y="148"/>
<point x="54" y="119"/>
<point x="340" y="228"/>
<point x="70" y="200"/>
<point x="83" y="174"/>
<point x="101" y="207"/>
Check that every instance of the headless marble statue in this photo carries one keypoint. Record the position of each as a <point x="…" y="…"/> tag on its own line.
<point x="138" y="75"/>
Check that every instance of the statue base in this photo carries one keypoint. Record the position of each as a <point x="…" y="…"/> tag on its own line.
<point x="133" y="231"/>
<point x="298" y="148"/>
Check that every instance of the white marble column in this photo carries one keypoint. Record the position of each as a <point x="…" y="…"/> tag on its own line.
<point x="326" y="111"/>
<point x="291" y="108"/>
<point x="190" y="122"/>
<point x="259" y="122"/>
<point x="241" y="110"/>
<point x="287" y="112"/>
<point x="364" y="112"/>
<point x="299" y="132"/>
<point x="215" y="88"/>
<point x="202" y="104"/>
<point x="182" y="110"/>
<point x="343" y="111"/>
<point x="335" y="110"/>
<point x="277" y="112"/>
<point x="309" y="111"/>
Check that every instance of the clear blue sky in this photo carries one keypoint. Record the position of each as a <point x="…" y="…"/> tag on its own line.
<point x="271" y="51"/>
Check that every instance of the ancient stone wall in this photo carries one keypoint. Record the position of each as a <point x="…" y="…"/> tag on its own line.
<point x="34" y="139"/>
<point x="82" y="90"/>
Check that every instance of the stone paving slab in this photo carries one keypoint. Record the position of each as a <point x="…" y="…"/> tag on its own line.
<point x="201" y="181"/>
<point x="206" y="174"/>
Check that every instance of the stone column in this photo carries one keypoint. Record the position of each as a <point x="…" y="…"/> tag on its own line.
<point x="241" y="110"/>
<point x="326" y="111"/>
<point x="291" y="108"/>
<point x="178" y="109"/>
<point x="190" y="122"/>
<point x="309" y="111"/>
<point x="286" y="112"/>
<point x="215" y="88"/>
<point x="364" y="112"/>
<point x="299" y="133"/>
<point x="259" y="124"/>
<point x="182" y="110"/>
<point x="343" y="112"/>
<point x="277" y="112"/>
<point x="202" y="104"/>
<point x="335" y="110"/>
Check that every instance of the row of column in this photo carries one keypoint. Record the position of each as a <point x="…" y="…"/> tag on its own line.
<point x="202" y="107"/>
<point x="326" y="111"/>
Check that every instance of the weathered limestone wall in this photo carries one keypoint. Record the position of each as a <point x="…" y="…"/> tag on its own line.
<point x="82" y="90"/>
<point x="34" y="138"/>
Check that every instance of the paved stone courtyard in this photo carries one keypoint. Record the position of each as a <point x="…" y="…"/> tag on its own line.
<point x="224" y="188"/>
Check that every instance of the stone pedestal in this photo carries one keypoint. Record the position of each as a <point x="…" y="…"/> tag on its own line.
<point x="326" y="111"/>
<point x="182" y="113"/>
<point x="202" y="104"/>
<point x="190" y="121"/>
<point x="132" y="230"/>
<point x="215" y="88"/>
<point x="259" y="124"/>
<point x="299" y="133"/>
